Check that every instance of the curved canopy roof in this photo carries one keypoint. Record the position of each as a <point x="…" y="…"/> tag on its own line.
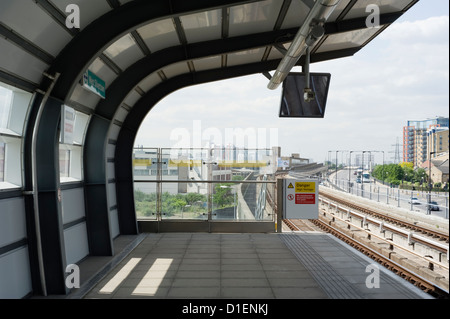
<point x="143" y="50"/>
<point x="149" y="42"/>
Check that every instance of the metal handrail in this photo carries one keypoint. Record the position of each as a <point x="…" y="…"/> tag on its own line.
<point x="382" y="225"/>
<point x="202" y="181"/>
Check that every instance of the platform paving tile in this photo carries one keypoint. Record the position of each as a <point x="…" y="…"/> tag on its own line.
<point x="198" y="274"/>
<point x="240" y="261"/>
<point x="196" y="282"/>
<point x="241" y="267"/>
<point x="231" y="274"/>
<point x="298" y="293"/>
<point x="245" y="282"/>
<point x="247" y="292"/>
<point x="260" y="266"/>
<point x="198" y="267"/>
<point x="194" y="292"/>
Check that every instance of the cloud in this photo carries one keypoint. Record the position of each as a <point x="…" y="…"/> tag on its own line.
<point x="401" y="75"/>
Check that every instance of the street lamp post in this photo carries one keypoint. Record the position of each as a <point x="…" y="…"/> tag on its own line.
<point x="335" y="178"/>
<point x="362" y="174"/>
<point x="349" y="169"/>
<point x="429" y="184"/>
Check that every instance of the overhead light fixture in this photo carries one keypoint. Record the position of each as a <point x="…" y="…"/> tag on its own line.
<point x="311" y="31"/>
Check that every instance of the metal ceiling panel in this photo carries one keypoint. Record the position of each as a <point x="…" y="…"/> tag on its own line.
<point x="254" y="17"/>
<point x="103" y="71"/>
<point x="27" y="19"/>
<point x="84" y="97"/>
<point x="124" y="1"/>
<point x="245" y="57"/>
<point x="339" y="9"/>
<point x="296" y="14"/>
<point x="202" y="26"/>
<point x="208" y="63"/>
<point x="175" y="69"/>
<point x="346" y="40"/>
<point x="359" y="9"/>
<point x="121" y="114"/>
<point x="124" y="52"/>
<point x="159" y="35"/>
<point x="132" y="98"/>
<point x="274" y="54"/>
<point x="90" y="10"/>
<point x="18" y="62"/>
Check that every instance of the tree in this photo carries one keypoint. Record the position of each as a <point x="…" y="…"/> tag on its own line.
<point x="405" y="165"/>
<point x="421" y="175"/>
<point x="192" y="198"/>
<point x="223" y="195"/>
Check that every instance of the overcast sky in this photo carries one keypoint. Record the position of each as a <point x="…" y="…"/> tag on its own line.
<point x="401" y="75"/>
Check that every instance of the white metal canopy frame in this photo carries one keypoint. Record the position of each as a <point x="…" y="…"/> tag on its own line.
<point x="143" y="50"/>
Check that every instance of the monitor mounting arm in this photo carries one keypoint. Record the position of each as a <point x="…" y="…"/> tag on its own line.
<point x="311" y="31"/>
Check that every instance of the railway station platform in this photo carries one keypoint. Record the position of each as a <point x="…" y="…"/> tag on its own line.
<point x="288" y="265"/>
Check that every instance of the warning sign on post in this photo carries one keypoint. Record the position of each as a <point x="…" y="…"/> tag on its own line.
<point x="301" y="199"/>
<point x="305" y="187"/>
<point x="305" y="199"/>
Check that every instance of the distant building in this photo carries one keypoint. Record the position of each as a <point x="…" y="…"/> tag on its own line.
<point x="437" y="141"/>
<point x="295" y="160"/>
<point x="217" y="163"/>
<point x="415" y="139"/>
<point x="438" y="168"/>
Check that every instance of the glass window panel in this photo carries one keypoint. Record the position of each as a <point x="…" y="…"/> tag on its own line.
<point x="64" y="163"/>
<point x="124" y="52"/>
<point x="254" y="17"/>
<point x="5" y="106"/>
<point x="202" y="26"/>
<point x="2" y="161"/>
<point x="159" y="35"/>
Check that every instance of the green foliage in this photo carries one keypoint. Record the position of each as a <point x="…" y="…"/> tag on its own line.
<point x="398" y="173"/>
<point x="171" y="203"/>
<point x="223" y="195"/>
<point x="407" y="165"/>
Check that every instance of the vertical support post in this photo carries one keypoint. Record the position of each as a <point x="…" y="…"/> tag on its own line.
<point x="411" y="200"/>
<point x="280" y="207"/>
<point x="446" y="207"/>
<point x="398" y="197"/>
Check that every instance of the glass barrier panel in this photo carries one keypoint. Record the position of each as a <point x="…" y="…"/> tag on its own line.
<point x="145" y="199"/>
<point x="183" y="201"/>
<point x="243" y="202"/>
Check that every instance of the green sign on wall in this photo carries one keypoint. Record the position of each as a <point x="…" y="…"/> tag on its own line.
<point x="94" y="84"/>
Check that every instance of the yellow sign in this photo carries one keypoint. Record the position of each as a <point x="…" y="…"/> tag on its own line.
<point x="291" y="186"/>
<point x="305" y="187"/>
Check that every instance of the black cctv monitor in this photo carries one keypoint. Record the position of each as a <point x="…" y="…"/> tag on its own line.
<point x="293" y="102"/>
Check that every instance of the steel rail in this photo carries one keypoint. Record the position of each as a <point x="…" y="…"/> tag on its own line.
<point x="409" y="235"/>
<point x="429" y="260"/>
<point x="400" y="270"/>
<point x="390" y="219"/>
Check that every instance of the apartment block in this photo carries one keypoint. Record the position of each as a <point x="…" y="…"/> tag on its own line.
<point x="437" y="141"/>
<point x="415" y="138"/>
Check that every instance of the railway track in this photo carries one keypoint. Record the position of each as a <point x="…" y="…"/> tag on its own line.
<point x="300" y="225"/>
<point x="433" y="233"/>
<point x="402" y="271"/>
<point x="394" y="256"/>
